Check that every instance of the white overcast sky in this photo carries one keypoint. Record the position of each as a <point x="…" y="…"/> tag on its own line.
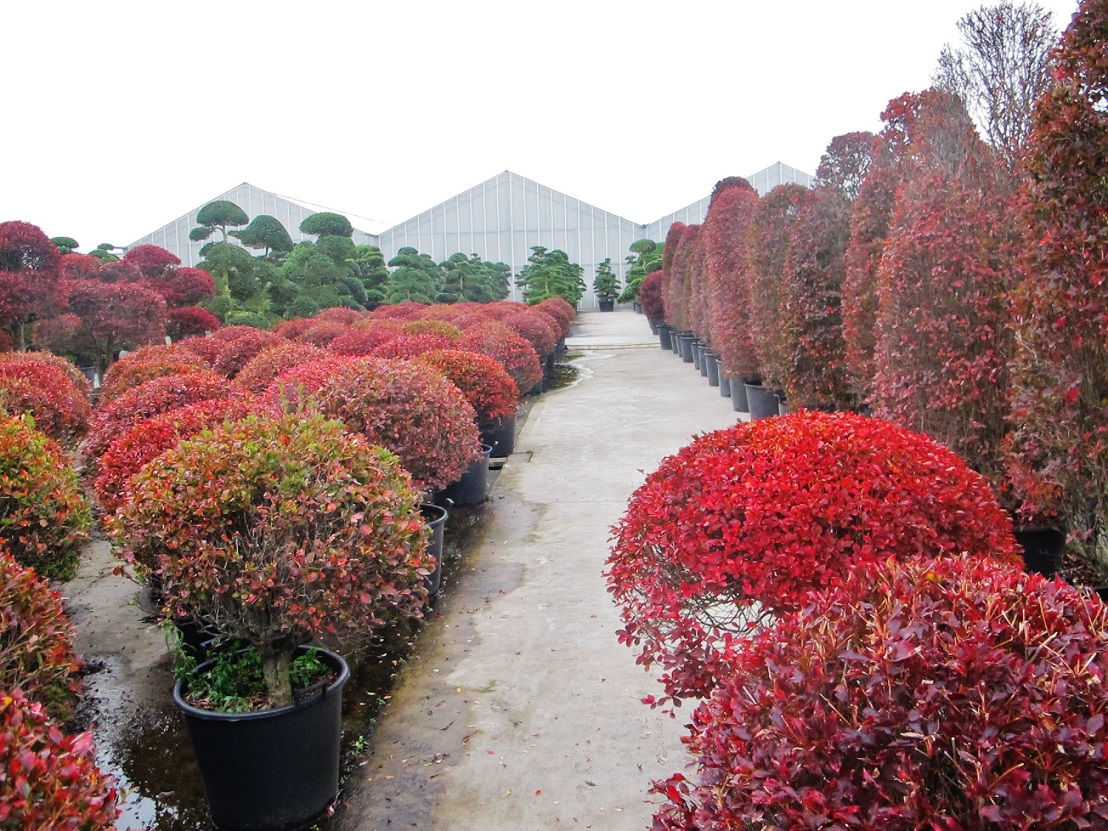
<point x="119" y="117"/>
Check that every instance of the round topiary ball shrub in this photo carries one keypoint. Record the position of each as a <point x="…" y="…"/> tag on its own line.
<point x="235" y="354"/>
<point x="156" y="361"/>
<point x="41" y="357"/>
<point x="48" y="394"/>
<point x="259" y="371"/>
<point x="561" y="310"/>
<point x="44" y="520"/>
<point x="515" y="354"/>
<point x="278" y="529"/>
<point x="538" y="329"/>
<point x="36" y="640"/>
<point x="411" y="409"/>
<point x="49" y="780"/>
<point x="950" y="693"/>
<point x="489" y="389"/>
<point x="151" y="437"/>
<point x="411" y="345"/>
<point x="158" y="395"/>
<point x="748" y="520"/>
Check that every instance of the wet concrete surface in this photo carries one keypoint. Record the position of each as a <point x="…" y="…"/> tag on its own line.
<point x="516" y="708"/>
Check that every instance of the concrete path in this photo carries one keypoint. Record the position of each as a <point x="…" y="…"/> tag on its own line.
<point x="521" y="711"/>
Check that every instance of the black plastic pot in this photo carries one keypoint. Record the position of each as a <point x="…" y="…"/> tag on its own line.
<point x="607" y="305"/>
<point x="664" y="337"/>
<point x="761" y="401"/>
<point x="1041" y="548"/>
<point x="711" y="365"/>
<point x="434" y="517"/>
<point x="724" y="384"/>
<point x="740" y="401"/>
<point x="501" y="436"/>
<point x="472" y="488"/>
<point x="275" y="770"/>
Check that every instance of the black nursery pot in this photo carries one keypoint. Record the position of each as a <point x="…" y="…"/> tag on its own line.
<point x="434" y="517"/>
<point x="275" y="770"/>
<point x="472" y="488"/>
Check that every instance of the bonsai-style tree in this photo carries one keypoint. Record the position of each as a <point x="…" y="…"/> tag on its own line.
<point x="65" y="245"/>
<point x="471" y="278"/>
<point x="948" y="693"/>
<point x="1060" y="370"/>
<point x="327" y="224"/>
<point x="220" y="214"/>
<point x="747" y="521"/>
<point x="265" y="232"/>
<point x="415" y="277"/>
<point x="278" y="530"/>
<point x="645" y="258"/>
<point x="606" y="284"/>
<point x="550" y="274"/>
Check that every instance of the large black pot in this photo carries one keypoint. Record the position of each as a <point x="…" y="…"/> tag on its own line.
<point x="711" y="365"/>
<point x="1041" y="548"/>
<point x="607" y="305"/>
<point x="664" y="337"/>
<point x="434" y="517"/>
<point x="761" y="401"/>
<point x="740" y="402"/>
<point x="501" y="436"/>
<point x="724" y="384"/>
<point x="472" y="488"/>
<point x="276" y="770"/>
<point x="685" y="343"/>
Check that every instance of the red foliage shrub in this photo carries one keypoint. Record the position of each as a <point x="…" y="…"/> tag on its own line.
<point x="46" y="393"/>
<point x="43" y="517"/>
<point x="425" y="326"/>
<point x="152" y="436"/>
<point x="727" y="232"/>
<point x="183" y="286"/>
<point x="650" y="296"/>
<point x="29" y="276"/>
<point x="277" y="530"/>
<point x="752" y="518"/>
<point x="76" y="266"/>
<point x="943" y="342"/>
<point x="339" y="314"/>
<point x="500" y="309"/>
<point x="49" y="358"/>
<point x="561" y="310"/>
<point x="36" y="647"/>
<point x="229" y="333"/>
<point x="408" y="310"/>
<point x="260" y="371"/>
<point x="50" y="780"/>
<point x="148" y="399"/>
<point x="150" y="260"/>
<point x="515" y="354"/>
<point x="677" y="275"/>
<point x="406" y="407"/>
<point x="322" y="332"/>
<point x="363" y="340"/>
<point x="155" y="361"/>
<point x="235" y="354"/>
<point x="293" y="329"/>
<point x="118" y="271"/>
<point x="489" y="389"/>
<point x="536" y="327"/>
<point x="293" y="386"/>
<point x="206" y="347"/>
<point x="1060" y="369"/>
<point x="410" y="346"/>
<point x="934" y="694"/>
<point x="815" y="373"/>
<point x="113" y="316"/>
<point x="190" y="321"/>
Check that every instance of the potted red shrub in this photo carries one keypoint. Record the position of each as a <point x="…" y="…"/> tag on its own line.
<point x="516" y="355"/>
<point x="747" y="521"/>
<point x="951" y="693"/>
<point x="146" y="363"/>
<point x="58" y="404"/>
<point x="275" y="531"/>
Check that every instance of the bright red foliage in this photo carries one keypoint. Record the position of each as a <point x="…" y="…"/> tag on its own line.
<point x="154" y="361"/>
<point x="113" y="316"/>
<point x="50" y="779"/>
<point x="536" y="327"/>
<point x="29" y="275"/>
<point x="47" y="393"/>
<point x="150" y="260"/>
<point x="364" y="340"/>
<point x="413" y="345"/>
<point x="752" y="518"/>
<point x="950" y="693"/>
<point x="190" y="321"/>
<point x="260" y="371"/>
<point x="235" y="354"/>
<point x="183" y="286"/>
<point x="515" y="354"/>
<point x="726" y="237"/>
<point x="489" y="389"/>
<point x="561" y="310"/>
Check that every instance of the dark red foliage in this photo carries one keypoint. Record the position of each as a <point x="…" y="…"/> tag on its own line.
<point x="411" y="345"/>
<point x="846" y="162"/>
<point x="190" y="321"/>
<point x="183" y="286"/>
<point x="750" y="519"/>
<point x="154" y="361"/>
<point x="118" y="271"/>
<point x="489" y="389"/>
<point x="364" y="340"/>
<point x="953" y="694"/>
<point x="47" y="393"/>
<point x="515" y="354"/>
<point x="561" y="310"/>
<point x="235" y="354"/>
<point x="259" y="371"/>
<point x="536" y="327"/>
<point x="76" y="266"/>
<point x="25" y="248"/>
<point x="29" y="274"/>
<point x="150" y="260"/>
<point x="148" y="399"/>
<point x="50" y="779"/>
<point x="650" y="296"/>
<point x="671" y="293"/>
<point x="726" y="238"/>
<point x="678" y="277"/>
<point x="113" y="316"/>
<point x="149" y="438"/>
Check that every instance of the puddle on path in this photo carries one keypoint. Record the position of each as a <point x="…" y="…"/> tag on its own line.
<point x="147" y="749"/>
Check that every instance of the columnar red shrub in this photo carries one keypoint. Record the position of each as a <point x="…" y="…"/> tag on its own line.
<point x="43" y="517"/>
<point x="752" y="518"/>
<point x="154" y="361"/>
<point x="650" y="296"/>
<point x="148" y="399"/>
<point x="815" y="374"/>
<point x="1060" y="370"/>
<point x="48" y="394"/>
<point x="943" y="342"/>
<point x="489" y="389"/>
<point x="235" y="354"/>
<point x="50" y="780"/>
<point x="277" y="530"/>
<point x="36" y="645"/>
<point x="407" y="407"/>
<point x="149" y="438"/>
<point x="515" y="354"/>
<point x="727" y="236"/>
<point x="771" y="226"/>
<point x="260" y="371"/>
<point x="934" y="694"/>
<point x="677" y="280"/>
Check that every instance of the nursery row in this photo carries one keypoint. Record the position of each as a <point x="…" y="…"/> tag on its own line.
<point x="275" y="490"/>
